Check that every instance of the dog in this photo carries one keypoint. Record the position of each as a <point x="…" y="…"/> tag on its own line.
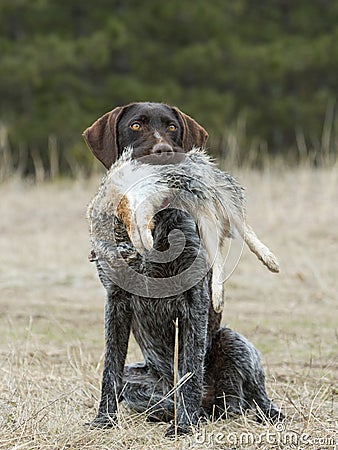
<point x="221" y="370"/>
<point x="134" y="191"/>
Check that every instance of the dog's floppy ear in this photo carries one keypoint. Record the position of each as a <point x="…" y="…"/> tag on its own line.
<point x="101" y="137"/>
<point x="193" y="133"/>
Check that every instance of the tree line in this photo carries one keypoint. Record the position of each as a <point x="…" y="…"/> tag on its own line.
<point x="266" y="71"/>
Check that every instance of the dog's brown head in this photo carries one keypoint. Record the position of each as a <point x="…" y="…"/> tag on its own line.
<point x="157" y="133"/>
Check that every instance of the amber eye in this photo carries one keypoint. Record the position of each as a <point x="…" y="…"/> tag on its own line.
<point x="172" y="127"/>
<point x="136" y="126"/>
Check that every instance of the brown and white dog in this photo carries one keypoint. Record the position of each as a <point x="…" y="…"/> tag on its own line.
<point x="148" y="290"/>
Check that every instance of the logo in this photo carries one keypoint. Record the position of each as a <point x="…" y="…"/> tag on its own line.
<point x="183" y="214"/>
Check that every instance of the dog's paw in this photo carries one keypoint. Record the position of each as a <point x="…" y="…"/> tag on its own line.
<point x="181" y="430"/>
<point x="104" y="421"/>
<point x="232" y="409"/>
<point x="189" y="427"/>
<point x="271" y="415"/>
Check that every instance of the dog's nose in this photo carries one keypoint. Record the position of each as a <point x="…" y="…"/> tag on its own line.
<point x="162" y="148"/>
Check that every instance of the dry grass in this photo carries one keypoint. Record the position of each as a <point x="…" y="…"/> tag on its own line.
<point x="51" y="319"/>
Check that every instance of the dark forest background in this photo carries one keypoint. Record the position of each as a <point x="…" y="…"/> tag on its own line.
<point x="264" y="74"/>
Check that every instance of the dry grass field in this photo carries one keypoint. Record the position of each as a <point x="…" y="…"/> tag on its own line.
<point x="51" y="319"/>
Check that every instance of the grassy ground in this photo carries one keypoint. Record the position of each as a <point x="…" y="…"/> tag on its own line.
<point x="51" y="319"/>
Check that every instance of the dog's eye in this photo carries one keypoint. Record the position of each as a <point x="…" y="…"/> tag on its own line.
<point x="136" y="126"/>
<point x="172" y="127"/>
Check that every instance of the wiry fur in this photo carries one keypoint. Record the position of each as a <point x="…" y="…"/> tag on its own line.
<point x="239" y="387"/>
<point x="135" y="191"/>
<point x="219" y="370"/>
<point x="226" y="368"/>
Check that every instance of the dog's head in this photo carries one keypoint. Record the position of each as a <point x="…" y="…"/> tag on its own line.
<point x="157" y="133"/>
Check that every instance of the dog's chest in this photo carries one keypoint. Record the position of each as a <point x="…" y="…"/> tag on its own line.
<point x="156" y="317"/>
<point x="153" y="326"/>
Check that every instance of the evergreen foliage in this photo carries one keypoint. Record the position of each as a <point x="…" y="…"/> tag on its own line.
<point x="272" y="64"/>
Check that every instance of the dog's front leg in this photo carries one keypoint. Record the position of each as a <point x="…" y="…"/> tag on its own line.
<point x="193" y="336"/>
<point x="117" y="330"/>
